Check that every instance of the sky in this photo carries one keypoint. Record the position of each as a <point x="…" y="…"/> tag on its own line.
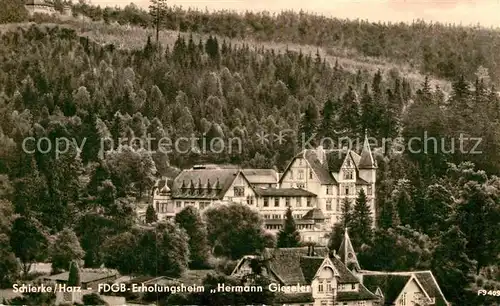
<point x="466" y="12"/>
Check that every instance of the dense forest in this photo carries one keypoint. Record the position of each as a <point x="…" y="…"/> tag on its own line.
<point x="436" y="199"/>
<point x="441" y="50"/>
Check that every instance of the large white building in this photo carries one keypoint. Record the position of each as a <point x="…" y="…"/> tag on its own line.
<point x="314" y="185"/>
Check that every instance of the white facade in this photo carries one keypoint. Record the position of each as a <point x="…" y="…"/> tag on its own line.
<point x="306" y="184"/>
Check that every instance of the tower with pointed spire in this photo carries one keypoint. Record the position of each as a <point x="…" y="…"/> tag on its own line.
<point x="347" y="253"/>
<point x="367" y="168"/>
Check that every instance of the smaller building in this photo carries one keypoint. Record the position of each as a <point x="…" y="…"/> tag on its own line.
<point x="321" y="276"/>
<point x="338" y="280"/>
<point x="90" y="278"/>
<point x="39" y="7"/>
<point x="67" y="11"/>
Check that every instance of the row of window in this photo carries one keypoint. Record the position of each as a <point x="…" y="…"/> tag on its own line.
<point x="202" y="205"/>
<point x="300" y="174"/>
<point x="298" y="227"/>
<point x="348" y="190"/>
<point x="288" y="201"/>
<point x="327" y="287"/>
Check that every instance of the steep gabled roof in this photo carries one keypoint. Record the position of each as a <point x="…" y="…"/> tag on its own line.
<point x="321" y="170"/>
<point x="366" y="161"/>
<point x="310" y="266"/>
<point x="345" y="276"/>
<point x="427" y="280"/>
<point x="347" y="253"/>
<point x="314" y="214"/>
<point x="390" y="285"/>
<point x="285" y="263"/>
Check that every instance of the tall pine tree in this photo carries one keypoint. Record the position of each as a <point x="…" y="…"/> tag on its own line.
<point x="361" y="229"/>
<point x="288" y="237"/>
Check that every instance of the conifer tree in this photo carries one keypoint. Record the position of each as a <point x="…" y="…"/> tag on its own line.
<point x="191" y="221"/>
<point x="328" y="123"/>
<point x="288" y="237"/>
<point x="346" y="213"/>
<point x="452" y="267"/>
<point x="74" y="275"/>
<point x="388" y="215"/>
<point x="308" y="125"/>
<point x="158" y="10"/>
<point x="151" y="215"/>
<point x="361" y="225"/>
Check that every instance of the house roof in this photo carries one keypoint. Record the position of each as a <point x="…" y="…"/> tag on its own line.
<point x="345" y="249"/>
<point x="360" y="181"/>
<point x="285" y="263"/>
<point x="296" y="266"/>
<point x="37" y="2"/>
<point x="428" y="281"/>
<point x="162" y="185"/>
<point x="203" y="183"/>
<point x="321" y="170"/>
<point x="294" y="298"/>
<point x="345" y="276"/>
<point x="391" y="284"/>
<point x="309" y="266"/>
<point x="283" y="192"/>
<point x="314" y="214"/>
<point x="261" y="176"/>
<point x="362" y="294"/>
<point x="86" y="276"/>
<point x="334" y="158"/>
<point x="366" y="161"/>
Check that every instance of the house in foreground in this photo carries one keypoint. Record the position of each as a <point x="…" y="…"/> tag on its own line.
<point x="336" y="279"/>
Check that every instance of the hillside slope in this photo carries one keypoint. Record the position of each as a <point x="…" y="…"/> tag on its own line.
<point x="134" y="38"/>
